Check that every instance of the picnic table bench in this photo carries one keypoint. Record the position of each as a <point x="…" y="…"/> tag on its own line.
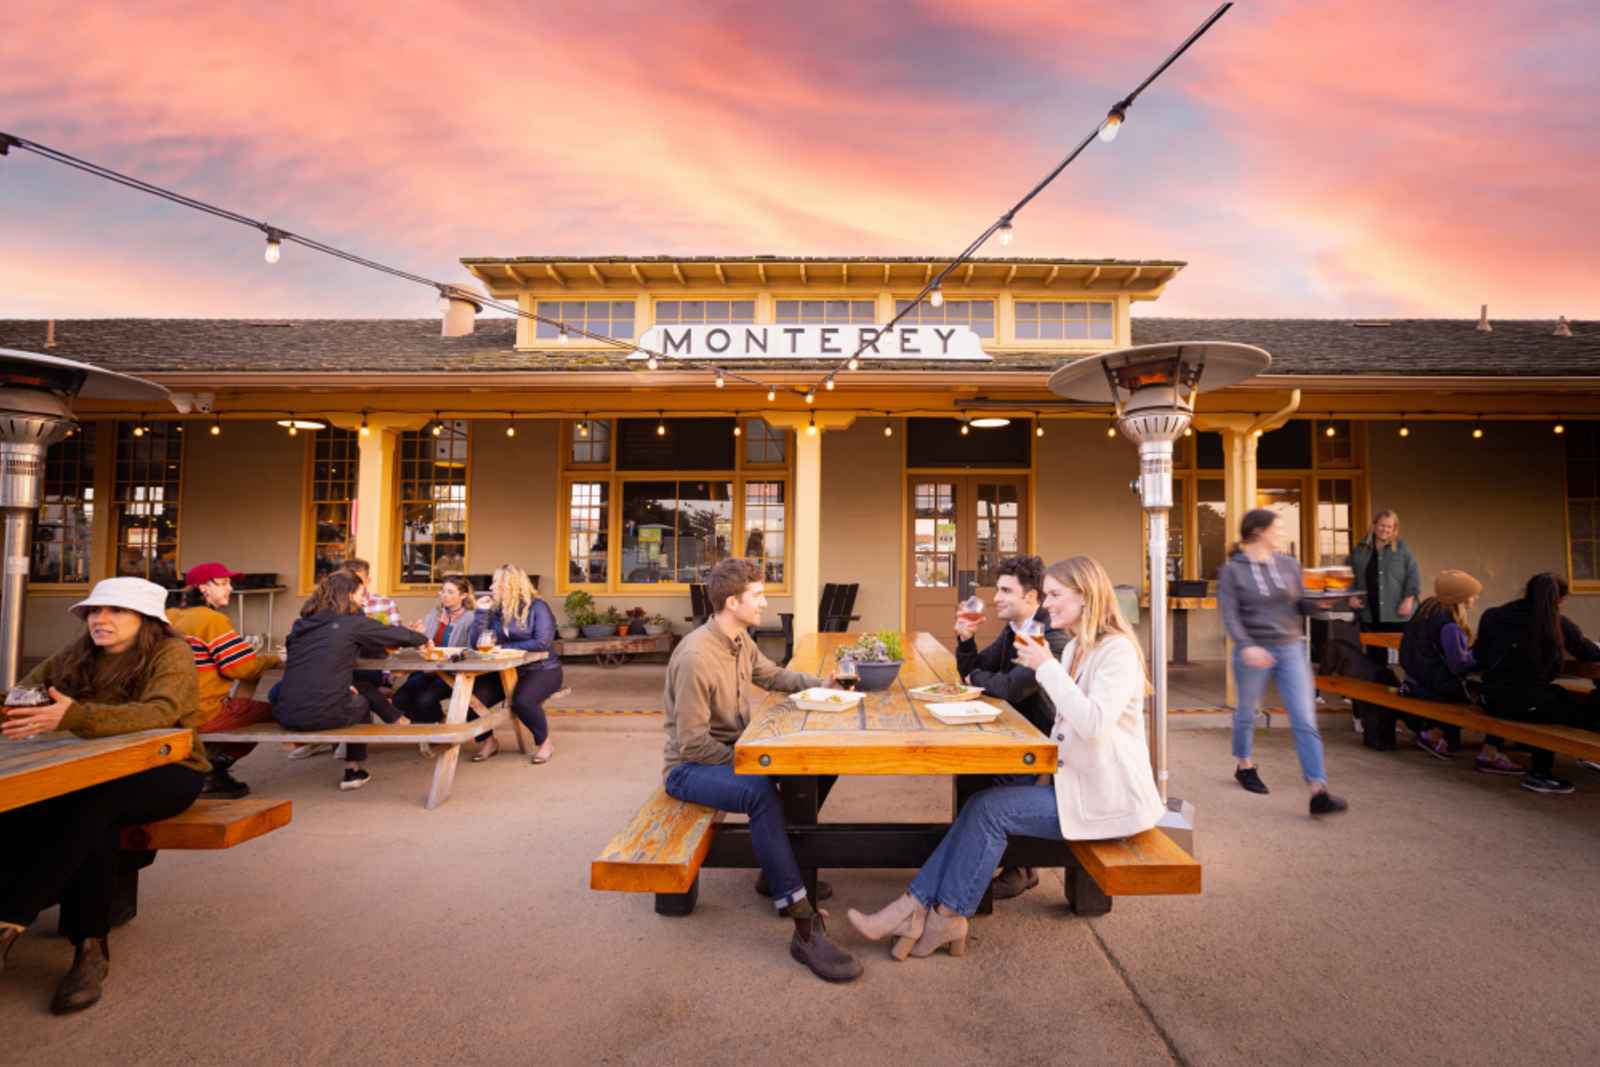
<point x="451" y="733"/>
<point x="1572" y="668"/>
<point x="667" y="842"/>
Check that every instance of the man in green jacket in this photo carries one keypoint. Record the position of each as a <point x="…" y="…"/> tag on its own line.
<point x="1387" y="572"/>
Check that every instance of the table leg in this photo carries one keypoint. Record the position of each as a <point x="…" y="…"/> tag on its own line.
<point x="1180" y="636"/>
<point x="801" y="804"/>
<point x="444" y="764"/>
<point x="965" y="785"/>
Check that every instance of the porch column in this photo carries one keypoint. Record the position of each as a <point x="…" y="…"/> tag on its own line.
<point x="805" y="564"/>
<point x="377" y="512"/>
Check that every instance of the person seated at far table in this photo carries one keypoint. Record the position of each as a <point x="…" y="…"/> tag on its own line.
<point x="516" y="616"/>
<point x="710" y="677"/>
<point x="997" y="672"/>
<point x="447" y="625"/>
<point x="1102" y="789"/>
<point x="128" y="672"/>
<point x="319" y="690"/>
<point x="1521" y="646"/>
<point x="1436" y="654"/>
<point x="221" y="658"/>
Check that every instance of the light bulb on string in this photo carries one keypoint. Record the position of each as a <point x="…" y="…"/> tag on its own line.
<point x="365" y="431"/>
<point x="772" y="394"/>
<point x="562" y="336"/>
<point x="888" y="425"/>
<point x="216" y="427"/>
<point x="1477" y="429"/>
<point x="1558" y="429"/>
<point x="1111" y="429"/>
<point x="811" y="427"/>
<point x="1038" y="427"/>
<point x="1405" y="431"/>
<point x="1007" y="234"/>
<point x="936" y="298"/>
<point x="661" y="425"/>
<point x="511" y="427"/>
<point x="965" y="429"/>
<point x="274" y="245"/>
<point x="138" y="426"/>
<point x="720" y="381"/>
<point x="1330" y="431"/>
<point x="294" y="431"/>
<point x="583" y="425"/>
<point x="811" y="396"/>
<point x="1113" y="124"/>
<point x="1188" y="431"/>
<point x="854" y="363"/>
<point x="827" y="383"/>
<point x="438" y="427"/>
<point x="651" y="362"/>
<point x="738" y="426"/>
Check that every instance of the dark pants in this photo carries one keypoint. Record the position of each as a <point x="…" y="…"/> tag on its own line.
<point x="355" y="710"/>
<point x="534" y="686"/>
<point x="66" y="848"/>
<point x="1551" y="705"/>
<point x="421" y="696"/>
<point x="716" y="786"/>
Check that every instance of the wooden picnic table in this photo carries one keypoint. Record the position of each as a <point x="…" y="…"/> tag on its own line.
<point x="461" y="675"/>
<point x="1572" y="668"/>
<point x="52" y="764"/>
<point x="888" y="733"/>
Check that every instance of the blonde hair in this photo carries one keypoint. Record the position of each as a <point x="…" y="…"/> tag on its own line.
<point x="517" y="593"/>
<point x="1456" y="611"/>
<point x="1102" y="615"/>
<point x="1386" y="513"/>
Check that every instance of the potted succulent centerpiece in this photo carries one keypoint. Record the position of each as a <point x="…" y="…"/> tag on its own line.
<point x="877" y="658"/>
<point x="656" y="625"/>
<point x="579" y="606"/>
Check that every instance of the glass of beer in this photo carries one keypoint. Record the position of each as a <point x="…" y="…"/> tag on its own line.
<point x="1033" y="631"/>
<point x="486" y="641"/>
<point x="970" y="611"/>
<point x="25" y="698"/>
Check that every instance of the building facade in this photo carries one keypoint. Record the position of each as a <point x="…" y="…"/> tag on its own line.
<point x="491" y="440"/>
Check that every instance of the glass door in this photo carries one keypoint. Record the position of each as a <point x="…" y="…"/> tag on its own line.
<point x="961" y="528"/>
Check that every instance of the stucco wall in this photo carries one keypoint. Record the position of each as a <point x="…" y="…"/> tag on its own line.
<point x="862" y="524"/>
<point x="1494" y="508"/>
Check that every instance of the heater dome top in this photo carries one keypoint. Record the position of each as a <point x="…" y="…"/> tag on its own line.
<point x="33" y="370"/>
<point x="1211" y="364"/>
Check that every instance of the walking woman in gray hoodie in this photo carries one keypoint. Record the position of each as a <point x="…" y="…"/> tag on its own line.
<point x="1262" y="602"/>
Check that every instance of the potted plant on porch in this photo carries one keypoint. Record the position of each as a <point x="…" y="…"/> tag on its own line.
<point x="615" y="622"/>
<point x="657" y="625"/>
<point x="877" y="657"/>
<point x="636" y="622"/>
<point x="579" y="607"/>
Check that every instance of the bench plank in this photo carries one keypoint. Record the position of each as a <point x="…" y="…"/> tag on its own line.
<point x="368" y="733"/>
<point x="1568" y="740"/>
<point x="211" y="824"/>
<point x="1147" y="864"/>
<point x="659" y="851"/>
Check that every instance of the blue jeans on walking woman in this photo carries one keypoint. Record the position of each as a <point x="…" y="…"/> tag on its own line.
<point x="958" y="873"/>
<point x="1292" y="672"/>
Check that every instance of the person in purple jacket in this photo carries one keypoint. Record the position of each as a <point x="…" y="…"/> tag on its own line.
<point x="1436" y="654"/>
<point x="518" y="618"/>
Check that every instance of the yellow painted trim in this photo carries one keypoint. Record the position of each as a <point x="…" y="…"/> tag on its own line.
<point x="1585" y="587"/>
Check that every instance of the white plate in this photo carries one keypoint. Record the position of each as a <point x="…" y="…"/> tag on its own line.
<point x="820" y="699"/>
<point x="958" y="712"/>
<point x="922" y="693"/>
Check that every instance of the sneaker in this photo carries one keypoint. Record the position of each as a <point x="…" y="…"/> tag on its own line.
<point x="1326" y="803"/>
<point x="1589" y="765"/>
<point x="307" y="751"/>
<point x="354" y="778"/>
<point x="1251" y="781"/>
<point x="1439" y="749"/>
<point x="1538" y="783"/>
<point x="220" y="784"/>
<point x="1357" y="725"/>
<point x="1500" y="765"/>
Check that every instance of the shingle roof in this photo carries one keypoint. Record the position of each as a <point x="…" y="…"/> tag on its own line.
<point x="1406" y="347"/>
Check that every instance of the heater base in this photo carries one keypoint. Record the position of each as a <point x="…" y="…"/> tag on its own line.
<point x="1178" y="824"/>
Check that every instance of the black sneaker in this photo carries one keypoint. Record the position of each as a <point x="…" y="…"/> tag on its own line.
<point x="222" y="785"/>
<point x="1538" y="783"/>
<point x="354" y="779"/>
<point x="1326" y="803"/>
<point x="1251" y="781"/>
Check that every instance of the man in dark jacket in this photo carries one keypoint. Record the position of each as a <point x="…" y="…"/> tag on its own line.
<point x="996" y="671"/>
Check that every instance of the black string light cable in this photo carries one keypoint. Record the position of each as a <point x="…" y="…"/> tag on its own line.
<point x="931" y="290"/>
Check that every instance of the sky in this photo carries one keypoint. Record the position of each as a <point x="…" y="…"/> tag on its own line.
<point x="1357" y="158"/>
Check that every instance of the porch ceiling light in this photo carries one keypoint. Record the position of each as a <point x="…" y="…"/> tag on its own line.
<point x="298" y="423"/>
<point x="991" y="422"/>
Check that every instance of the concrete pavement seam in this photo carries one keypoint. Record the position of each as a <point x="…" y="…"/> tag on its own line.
<point x="1133" y="991"/>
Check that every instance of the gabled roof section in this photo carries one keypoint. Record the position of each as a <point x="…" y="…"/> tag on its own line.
<point x="508" y="276"/>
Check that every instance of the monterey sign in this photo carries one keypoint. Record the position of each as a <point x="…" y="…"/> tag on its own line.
<point x="813" y="342"/>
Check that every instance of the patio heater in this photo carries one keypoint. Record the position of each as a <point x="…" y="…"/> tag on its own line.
<point x="1153" y="388"/>
<point x="36" y="394"/>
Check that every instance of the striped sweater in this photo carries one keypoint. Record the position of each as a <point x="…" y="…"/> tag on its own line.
<point x="221" y="656"/>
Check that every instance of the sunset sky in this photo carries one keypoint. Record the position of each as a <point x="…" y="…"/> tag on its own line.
<point x="1321" y="159"/>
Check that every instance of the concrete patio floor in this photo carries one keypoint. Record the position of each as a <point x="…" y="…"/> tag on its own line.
<point x="1446" y="918"/>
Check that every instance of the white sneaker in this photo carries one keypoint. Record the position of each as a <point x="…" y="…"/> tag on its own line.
<point x="1355" y="721"/>
<point x="1589" y="765"/>
<point x="307" y="751"/>
<point x="341" y="750"/>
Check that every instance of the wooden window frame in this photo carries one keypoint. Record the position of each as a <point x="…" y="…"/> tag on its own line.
<point x="719" y="297"/>
<point x="307" y="578"/>
<point x="87" y="432"/>
<point x="577" y="340"/>
<point x="397" y="583"/>
<point x="825" y="298"/>
<point x="115" y="505"/>
<point x="1064" y="342"/>
<point x="991" y="297"/>
<point x="1579" y="587"/>
<point x="614" y="479"/>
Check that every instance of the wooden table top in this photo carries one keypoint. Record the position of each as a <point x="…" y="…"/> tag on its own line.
<point x="411" y="660"/>
<point x="1571" y="668"/>
<point x="888" y="732"/>
<point x="52" y="764"/>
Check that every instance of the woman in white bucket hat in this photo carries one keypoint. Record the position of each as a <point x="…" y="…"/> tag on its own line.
<point x="128" y="672"/>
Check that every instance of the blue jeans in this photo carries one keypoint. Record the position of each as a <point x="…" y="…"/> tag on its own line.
<point x="1292" y="673"/>
<point x="716" y="786"/>
<point x="958" y="873"/>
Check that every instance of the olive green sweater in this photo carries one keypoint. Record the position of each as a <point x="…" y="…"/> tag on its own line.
<point x="170" y="697"/>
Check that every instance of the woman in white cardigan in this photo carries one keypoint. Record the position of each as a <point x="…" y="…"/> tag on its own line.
<point x="1103" y="785"/>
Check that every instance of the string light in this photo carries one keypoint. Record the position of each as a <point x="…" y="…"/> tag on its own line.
<point x="138" y="426"/>
<point x="853" y="363"/>
<point x="720" y="381"/>
<point x="1188" y="431"/>
<point x="1405" y="431"/>
<point x="661" y="425"/>
<point x="811" y="427"/>
<point x="1113" y="123"/>
<point x="1111" y="428"/>
<point x="965" y="429"/>
<point x="365" y="431"/>
<point x="511" y="427"/>
<point x="828" y="383"/>
<point x="294" y="431"/>
<point x="216" y="427"/>
<point x="738" y="426"/>
<point x="772" y="394"/>
<point x="936" y="298"/>
<point x="274" y="244"/>
<point x="1477" y="429"/>
<point x="651" y="362"/>
<point x="1007" y="234"/>
<point x="888" y="425"/>
<point x="562" y="336"/>
<point x="1558" y="429"/>
<point x="1038" y="426"/>
<point x="438" y="427"/>
<point x="583" y="425"/>
<point x="811" y="396"/>
<point x="1330" y="431"/>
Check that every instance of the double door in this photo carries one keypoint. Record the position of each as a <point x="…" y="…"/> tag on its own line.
<point x="962" y="526"/>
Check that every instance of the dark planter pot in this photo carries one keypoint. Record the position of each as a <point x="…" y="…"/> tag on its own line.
<point x="875" y="676"/>
<point x="598" y="630"/>
<point x="636" y="628"/>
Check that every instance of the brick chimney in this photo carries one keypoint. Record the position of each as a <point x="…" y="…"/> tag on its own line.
<point x="1483" y="320"/>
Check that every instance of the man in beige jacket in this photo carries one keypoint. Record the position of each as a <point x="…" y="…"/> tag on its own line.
<point x="710" y="678"/>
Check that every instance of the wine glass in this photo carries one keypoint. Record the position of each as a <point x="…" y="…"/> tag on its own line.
<point x="846" y="674"/>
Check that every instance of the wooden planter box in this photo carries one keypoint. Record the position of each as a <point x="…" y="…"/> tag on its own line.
<point x="611" y="651"/>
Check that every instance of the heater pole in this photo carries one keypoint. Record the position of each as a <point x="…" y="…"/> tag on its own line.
<point x="1158" y="640"/>
<point x="13" y="591"/>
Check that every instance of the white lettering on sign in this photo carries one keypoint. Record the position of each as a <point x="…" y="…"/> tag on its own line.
<point x="16" y="564"/>
<point x="813" y="342"/>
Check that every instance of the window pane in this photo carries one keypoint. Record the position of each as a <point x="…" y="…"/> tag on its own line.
<point x="145" y="500"/>
<point x="934" y="534"/>
<point x="591" y="441"/>
<point x="764" y="528"/>
<point x="764" y="446"/>
<point x="433" y="502"/>
<point x="336" y="461"/>
<point x="62" y="529"/>
<point x="1211" y="534"/>
<point x="588" y="526"/>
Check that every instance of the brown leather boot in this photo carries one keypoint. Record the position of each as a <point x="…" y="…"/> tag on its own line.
<point x="1013" y="882"/>
<point x="80" y="987"/>
<point x="810" y="946"/>
<point x="9" y="932"/>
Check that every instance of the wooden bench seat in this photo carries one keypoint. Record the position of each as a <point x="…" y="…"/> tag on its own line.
<point x="667" y="842"/>
<point x="1568" y="740"/>
<point x="211" y="824"/>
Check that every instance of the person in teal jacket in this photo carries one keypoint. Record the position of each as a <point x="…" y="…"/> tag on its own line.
<point x="1387" y="572"/>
